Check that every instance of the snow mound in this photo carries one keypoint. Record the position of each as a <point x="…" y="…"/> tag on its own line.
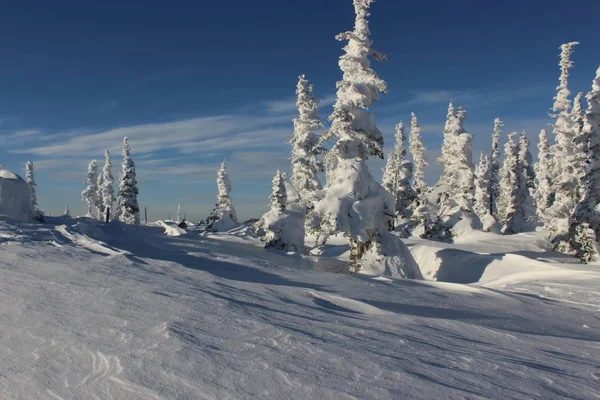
<point x="171" y="228"/>
<point x="15" y="197"/>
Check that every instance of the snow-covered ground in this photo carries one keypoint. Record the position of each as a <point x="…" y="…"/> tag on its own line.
<point x="99" y="312"/>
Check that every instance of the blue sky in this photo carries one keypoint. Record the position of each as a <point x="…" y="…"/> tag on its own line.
<point x="192" y="83"/>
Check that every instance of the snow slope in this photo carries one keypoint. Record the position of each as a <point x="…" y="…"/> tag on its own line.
<point x="120" y="312"/>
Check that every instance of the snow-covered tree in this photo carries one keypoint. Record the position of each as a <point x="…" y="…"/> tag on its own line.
<point x="494" y="181"/>
<point x="223" y="217"/>
<point x="406" y="196"/>
<point x="354" y="202"/>
<point x="447" y="143"/>
<point x="455" y="188"/>
<point x="419" y="156"/>
<point x="584" y="231"/>
<point x="30" y="179"/>
<point x="509" y="187"/>
<point x="525" y="203"/>
<point x="421" y="208"/>
<point x="67" y="211"/>
<point x="128" y="210"/>
<point x="99" y="202"/>
<point x="283" y="229"/>
<point x="89" y="193"/>
<point x="566" y="178"/>
<point x="305" y="144"/>
<point x="483" y="192"/>
<point x="178" y="212"/>
<point x="544" y="193"/>
<point x="107" y="190"/>
<point x="391" y="173"/>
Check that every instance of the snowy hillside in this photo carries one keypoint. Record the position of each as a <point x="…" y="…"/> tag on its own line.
<point x="126" y="312"/>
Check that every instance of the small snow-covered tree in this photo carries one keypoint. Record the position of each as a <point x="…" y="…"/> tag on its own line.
<point x="283" y="229"/>
<point x="494" y="181"/>
<point x="406" y="197"/>
<point x="509" y="187"/>
<point x="223" y="217"/>
<point x="565" y="176"/>
<point x="391" y="174"/>
<point x="89" y="193"/>
<point x="128" y="210"/>
<point x="305" y="144"/>
<point x="107" y="190"/>
<point x="544" y="193"/>
<point x="67" y="211"/>
<point x="30" y="179"/>
<point x="483" y="192"/>
<point x="584" y="231"/>
<point x="354" y="203"/>
<point x="178" y="212"/>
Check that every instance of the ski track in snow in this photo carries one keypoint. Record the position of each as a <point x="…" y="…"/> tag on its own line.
<point x="92" y="312"/>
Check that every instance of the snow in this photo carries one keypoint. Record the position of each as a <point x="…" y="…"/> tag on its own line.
<point x="120" y="311"/>
<point x="15" y="196"/>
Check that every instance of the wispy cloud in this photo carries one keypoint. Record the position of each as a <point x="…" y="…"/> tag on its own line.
<point x="470" y="98"/>
<point x="288" y="105"/>
<point x="223" y="132"/>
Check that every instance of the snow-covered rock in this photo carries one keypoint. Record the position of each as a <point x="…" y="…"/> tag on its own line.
<point x="15" y="196"/>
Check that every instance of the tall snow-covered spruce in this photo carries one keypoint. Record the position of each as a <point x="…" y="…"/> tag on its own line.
<point x="223" y="217"/>
<point x="421" y="209"/>
<point x="455" y="188"/>
<point x="565" y="176"/>
<point x="584" y="231"/>
<point x="89" y="193"/>
<point x="128" y="210"/>
<point x="419" y="156"/>
<point x="396" y="179"/>
<point x="354" y="202"/>
<point x="305" y="144"/>
<point x="30" y="179"/>
<point x="107" y="190"/>
<point x="494" y="181"/>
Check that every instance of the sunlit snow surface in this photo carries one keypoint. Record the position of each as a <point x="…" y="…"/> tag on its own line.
<point x="94" y="312"/>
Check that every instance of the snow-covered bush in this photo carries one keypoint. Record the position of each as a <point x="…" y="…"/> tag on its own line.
<point x="223" y="217"/>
